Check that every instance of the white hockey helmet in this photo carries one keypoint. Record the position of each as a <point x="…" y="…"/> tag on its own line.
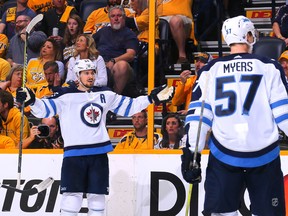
<point x="235" y="30"/>
<point x="82" y="65"/>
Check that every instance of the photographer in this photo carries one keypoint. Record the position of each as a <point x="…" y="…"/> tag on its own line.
<point x="46" y="135"/>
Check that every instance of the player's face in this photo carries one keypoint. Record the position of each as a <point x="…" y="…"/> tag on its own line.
<point x="114" y="2"/>
<point x="116" y="19"/>
<point x="72" y="26"/>
<point x="81" y="44"/>
<point x="139" y="121"/>
<point x="16" y="79"/>
<point x="87" y="78"/>
<point x="172" y="126"/>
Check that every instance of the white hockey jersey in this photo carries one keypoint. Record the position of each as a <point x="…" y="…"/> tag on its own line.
<point x="82" y="117"/>
<point x="245" y="102"/>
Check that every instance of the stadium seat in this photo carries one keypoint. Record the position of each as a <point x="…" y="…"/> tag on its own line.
<point x="87" y="6"/>
<point x="271" y="47"/>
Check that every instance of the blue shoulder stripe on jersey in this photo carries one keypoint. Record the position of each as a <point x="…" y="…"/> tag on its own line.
<point x="119" y="105"/>
<point x="281" y="118"/>
<point x="243" y="159"/>
<point x="197" y="118"/>
<point x="279" y="103"/>
<point x="52" y="103"/>
<point x="47" y="109"/>
<point x="128" y="107"/>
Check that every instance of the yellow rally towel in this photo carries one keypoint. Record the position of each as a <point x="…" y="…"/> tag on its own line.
<point x="65" y="16"/>
<point x="11" y="14"/>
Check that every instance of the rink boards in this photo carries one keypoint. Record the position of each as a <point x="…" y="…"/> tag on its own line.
<point x="142" y="183"/>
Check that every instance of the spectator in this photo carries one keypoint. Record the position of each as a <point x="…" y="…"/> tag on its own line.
<point x="4" y="43"/>
<point x="179" y="16"/>
<point x="99" y="17"/>
<point x="118" y="46"/>
<point x="6" y="142"/>
<point x="183" y="92"/>
<point x="50" y="51"/>
<point x="4" y="69"/>
<point x="73" y="29"/>
<point x="7" y="24"/>
<point x="11" y="118"/>
<point x="36" y="39"/>
<point x="139" y="22"/>
<point x="54" y="139"/>
<point x="40" y="6"/>
<point x="51" y="72"/>
<point x="57" y="17"/>
<point x="14" y="81"/>
<point x="172" y="131"/>
<point x="283" y="60"/>
<point x="279" y="24"/>
<point x="137" y="139"/>
<point x="86" y="49"/>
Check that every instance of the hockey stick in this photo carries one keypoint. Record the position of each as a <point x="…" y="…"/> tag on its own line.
<point x="37" y="189"/>
<point x="29" y="27"/>
<point x="194" y="162"/>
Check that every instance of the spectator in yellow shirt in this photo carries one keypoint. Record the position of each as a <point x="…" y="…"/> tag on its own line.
<point x="183" y="92"/>
<point x="137" y="139"/>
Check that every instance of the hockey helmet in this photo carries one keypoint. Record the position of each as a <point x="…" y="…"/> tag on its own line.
<point x="82" y="65"/>
<point x="235" y="30"/>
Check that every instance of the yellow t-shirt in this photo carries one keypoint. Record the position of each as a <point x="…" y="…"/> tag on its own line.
<point x="5" y="67"/>
<point x="35" y="74"/>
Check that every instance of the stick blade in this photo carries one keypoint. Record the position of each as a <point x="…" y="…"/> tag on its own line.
<point x="44" y="184"/>
<point x="33" y="22"/>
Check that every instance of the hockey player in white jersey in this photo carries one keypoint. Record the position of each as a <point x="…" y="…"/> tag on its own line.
<point x="82" y="115"/>
<point x="244" y="101"/>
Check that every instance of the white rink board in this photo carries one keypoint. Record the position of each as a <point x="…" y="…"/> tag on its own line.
<point x="130" y="184"/>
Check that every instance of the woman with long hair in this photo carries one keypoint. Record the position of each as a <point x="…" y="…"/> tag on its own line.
<point x="73" y="28"/>
<point x="50" y="51"/>
<point x="172" y="131"/>
<point x="85" y="49"/>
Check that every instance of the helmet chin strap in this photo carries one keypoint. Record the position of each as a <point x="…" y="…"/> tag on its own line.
<point x="84" y="86"/>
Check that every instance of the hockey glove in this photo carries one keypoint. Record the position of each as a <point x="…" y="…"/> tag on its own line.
<point x="25" y="95"/>
<point x="162" y="94"/>
<point x="191" y="174"/>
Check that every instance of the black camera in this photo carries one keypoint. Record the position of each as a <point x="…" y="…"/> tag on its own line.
<point x="44" y="131"/>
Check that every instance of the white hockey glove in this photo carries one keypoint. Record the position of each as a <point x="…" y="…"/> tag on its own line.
<point x="162" y="94"/>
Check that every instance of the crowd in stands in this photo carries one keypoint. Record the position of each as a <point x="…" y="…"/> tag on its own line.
<point x="111" y="37"/>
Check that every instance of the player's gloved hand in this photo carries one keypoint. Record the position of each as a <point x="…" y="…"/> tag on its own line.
<point x="191" y="174"/>
<point x="25" y="95"/>
<point x="162" y="94"/>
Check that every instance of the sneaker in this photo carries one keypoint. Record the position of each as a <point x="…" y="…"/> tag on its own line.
<point x="182" y="60"/>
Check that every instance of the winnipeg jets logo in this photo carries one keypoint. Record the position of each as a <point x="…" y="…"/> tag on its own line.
<point x="91" y="114"/>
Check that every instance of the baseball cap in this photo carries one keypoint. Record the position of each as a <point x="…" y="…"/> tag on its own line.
<point x="3" y="45"/>
<point x="284" y="55"/>
<point x="204" y="57"/>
